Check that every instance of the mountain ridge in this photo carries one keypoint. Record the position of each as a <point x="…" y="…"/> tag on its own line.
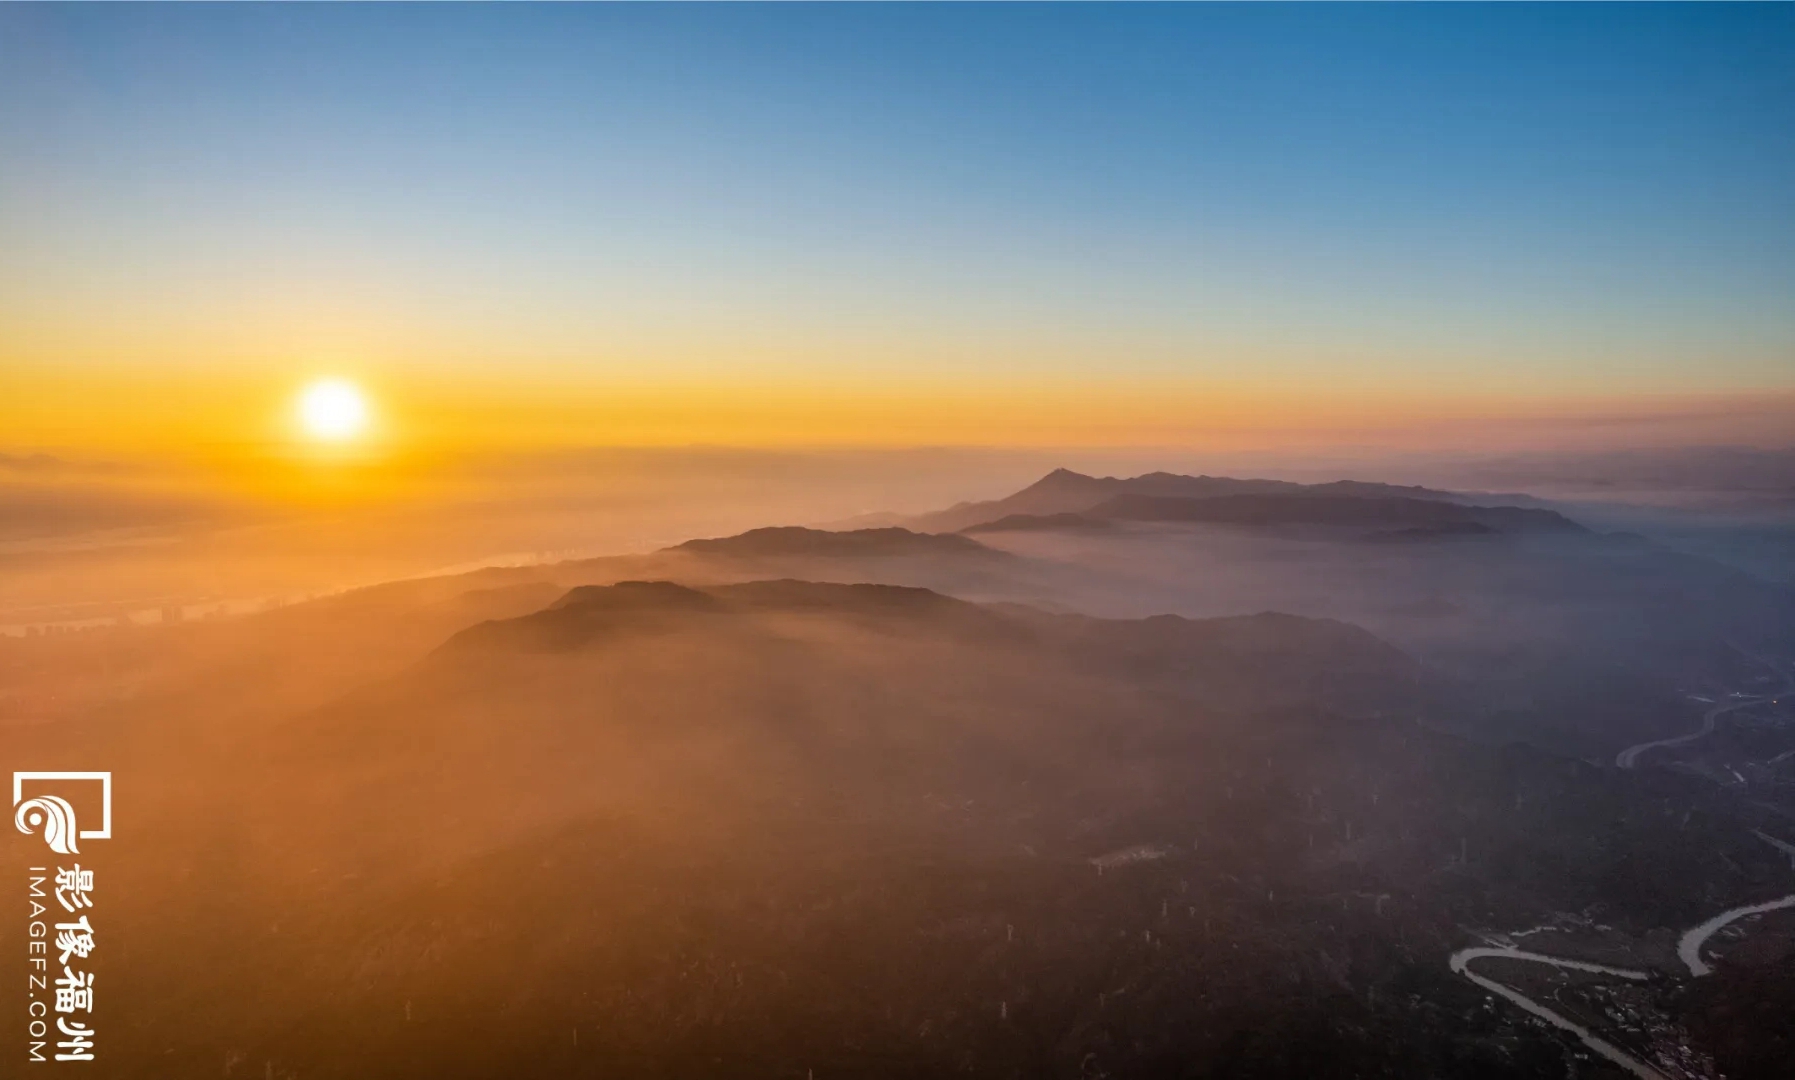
<point x="589" y="612"/>
<point x="784" y="540"/>
<point x="1411" y="517"/>
<point x="1066" y="491"/>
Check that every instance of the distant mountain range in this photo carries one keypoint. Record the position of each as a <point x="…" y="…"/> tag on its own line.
<point x="1413" y="518"/>
<point x="1066" y="492"/>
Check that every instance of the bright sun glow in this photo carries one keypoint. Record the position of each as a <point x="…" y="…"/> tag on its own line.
<point x="333" y="409"/>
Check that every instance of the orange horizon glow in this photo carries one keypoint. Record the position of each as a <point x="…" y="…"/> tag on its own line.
<point x="204" y="414"/>
<point x="1213" y="265"/>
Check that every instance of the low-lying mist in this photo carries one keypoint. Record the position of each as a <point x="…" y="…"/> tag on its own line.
<point x="86" y="541"/>
<point x="1108" y="776"/>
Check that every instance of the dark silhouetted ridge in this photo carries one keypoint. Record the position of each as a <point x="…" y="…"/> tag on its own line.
<point x="1346" y="510"/>
<point x="1266" y="649"/>
<point x="1063" y="491"/>
<point x="636" y="596"/>
<point x="589" y="612"/>
<point x="792" y="595"/>
<point x="592" y="612"/>
<point x="797" y="540"/>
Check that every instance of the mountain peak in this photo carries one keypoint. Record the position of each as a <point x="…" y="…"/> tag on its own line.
<point x="1065" y="480"/>
<point x="636" y="595"/>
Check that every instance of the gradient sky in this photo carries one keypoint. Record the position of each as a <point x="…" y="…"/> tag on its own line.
<point x="936" y="224"/>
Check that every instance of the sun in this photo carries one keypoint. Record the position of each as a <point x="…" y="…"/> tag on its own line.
<point x="333" y="409"/>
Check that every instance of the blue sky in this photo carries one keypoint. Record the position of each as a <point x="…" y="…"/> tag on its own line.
<point x="1541" y="198"/>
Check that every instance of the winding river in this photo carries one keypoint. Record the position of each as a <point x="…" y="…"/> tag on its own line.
<point x="1689" y="949"/>
<point x="1461" y="964"/>
<point x="1629" y="757"/>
